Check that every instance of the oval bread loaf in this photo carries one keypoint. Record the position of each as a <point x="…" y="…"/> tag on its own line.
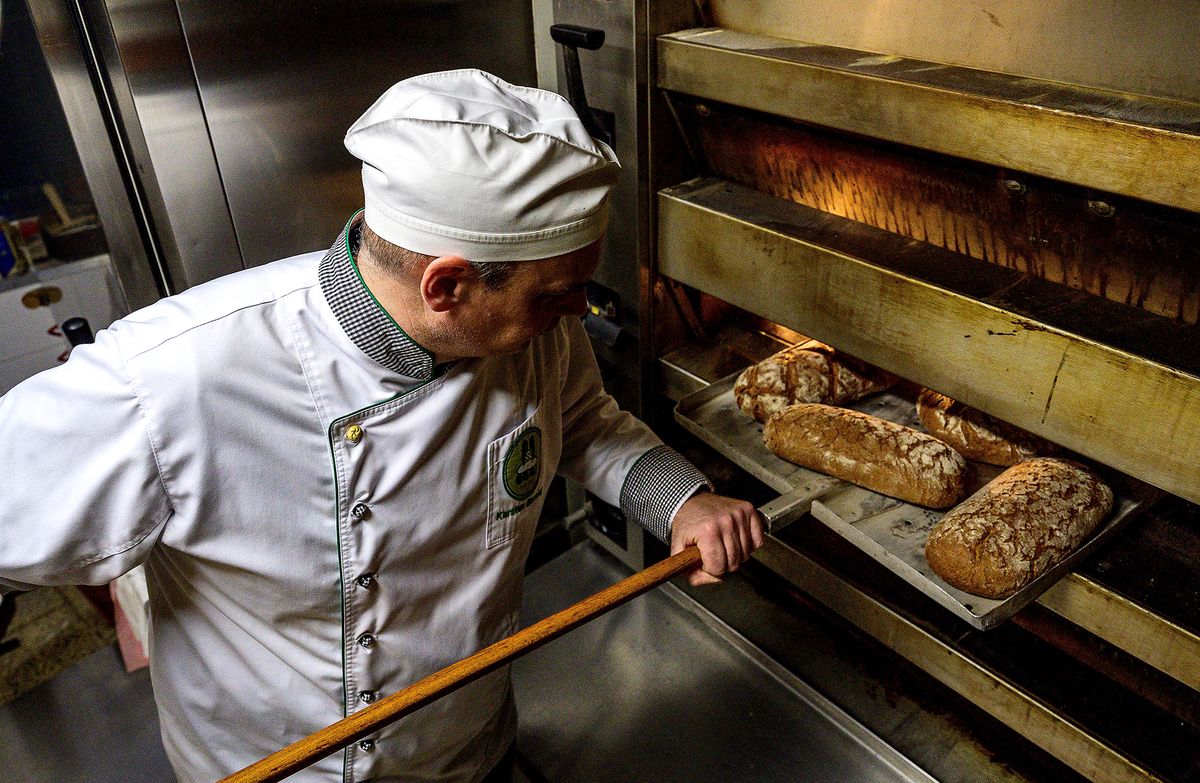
<point x="1022" y="523"/>
<point x="874" y="453"/>
<point x="975" y="434"/>
<point x="806" y="372"/>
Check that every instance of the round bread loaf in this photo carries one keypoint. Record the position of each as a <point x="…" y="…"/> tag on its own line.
<point x="806" y="372"/>
<point x="1022" y="523"/>
<point x="975" y="434"/>
<point x="874" y="453"/>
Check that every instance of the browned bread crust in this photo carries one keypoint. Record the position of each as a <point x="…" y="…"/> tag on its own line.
<point x="975" y="434"/>
<point x="1022" y="523"/>
<point x="806" y="372"/>
<point x="874" y="453"/>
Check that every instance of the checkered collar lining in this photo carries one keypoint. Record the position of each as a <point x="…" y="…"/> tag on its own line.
<point x="362" y="316"/>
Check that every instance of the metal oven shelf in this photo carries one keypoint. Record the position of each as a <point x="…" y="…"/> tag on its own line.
<point x="1133" y="145"/>
<point x="1116" y="384"/>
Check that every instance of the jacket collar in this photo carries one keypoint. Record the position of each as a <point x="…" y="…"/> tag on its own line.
<point x="359" y="313"/>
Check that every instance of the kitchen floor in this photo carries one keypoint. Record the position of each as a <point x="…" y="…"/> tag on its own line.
<point x="94" y="723"/>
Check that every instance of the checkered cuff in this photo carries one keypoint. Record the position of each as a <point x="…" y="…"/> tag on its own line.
<point x="656" y="487"/>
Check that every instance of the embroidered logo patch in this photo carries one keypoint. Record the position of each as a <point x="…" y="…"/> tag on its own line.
<point x="523" y="464"/>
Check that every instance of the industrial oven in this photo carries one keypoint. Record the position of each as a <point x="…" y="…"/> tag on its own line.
<point x="996" y="201"/>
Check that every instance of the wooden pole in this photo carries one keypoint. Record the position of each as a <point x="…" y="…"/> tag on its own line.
<point x="302" y="753"/>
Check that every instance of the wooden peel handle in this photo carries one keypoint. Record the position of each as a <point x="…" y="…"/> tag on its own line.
<point x="64" y="218"/>
<point x="302" y="753"/>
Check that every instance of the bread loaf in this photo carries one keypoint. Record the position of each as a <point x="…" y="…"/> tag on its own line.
<point x="975" y="434"/>
<point x="874" y="453"/>
<point x="1022" y="523"/>
<point x="806" y="372"/>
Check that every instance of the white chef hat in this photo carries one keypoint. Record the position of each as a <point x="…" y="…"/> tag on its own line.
<point x="463" y="163"/>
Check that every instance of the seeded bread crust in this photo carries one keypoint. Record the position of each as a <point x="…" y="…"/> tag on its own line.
<point x="874" y="453"/>
<point x="976" y="435"/>
<point x="1022" y="523"/>
<point x="807" y="372"/>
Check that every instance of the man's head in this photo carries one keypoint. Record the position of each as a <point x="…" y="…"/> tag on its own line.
<point x="459" y="309"/>
<point x="483" y="199"/>
<point x="400" y="262"/>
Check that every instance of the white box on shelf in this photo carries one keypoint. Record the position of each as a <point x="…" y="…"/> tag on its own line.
<point x="33" y="307"/>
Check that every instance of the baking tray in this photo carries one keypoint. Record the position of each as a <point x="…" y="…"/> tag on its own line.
<point x="891" y="531"/>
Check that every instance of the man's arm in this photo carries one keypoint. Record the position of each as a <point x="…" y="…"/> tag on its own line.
<point x="82" y="501"/>
<point x="618" y="458"/>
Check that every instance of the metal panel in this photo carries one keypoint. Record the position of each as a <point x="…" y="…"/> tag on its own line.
<point x="1148" y="148"/>
<point x="71" y="60"/>
<point x="149" y="75"/>
<point x="1125" y="624"/>
<point x="684" y="697"/>
<point x="615" y="79"/>
<point x="618" y="77"/>
<point x="1113" y="405"/>
<point x="610" y="79"/>
<point x="280" y="84"/>
<point x="1139" y="46"/>
<point x="232" y="114"/>
<point x="1003" y="700"/>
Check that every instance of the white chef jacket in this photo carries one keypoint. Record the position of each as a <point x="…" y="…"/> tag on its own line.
<point x="324" y="516"/>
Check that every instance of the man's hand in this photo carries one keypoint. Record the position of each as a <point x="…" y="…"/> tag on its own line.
<point x="725" y="530"/>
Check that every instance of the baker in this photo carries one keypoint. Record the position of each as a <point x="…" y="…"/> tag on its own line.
<point x="332" y="465"/>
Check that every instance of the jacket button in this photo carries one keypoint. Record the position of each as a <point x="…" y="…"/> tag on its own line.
<point x="366" y="640"/>
<point x="367" y="745"/>
<point x="366" y="697"/>
<point x="360" y="511"/>
<point x="354" y="433"/>
<point x="366" y="581"/>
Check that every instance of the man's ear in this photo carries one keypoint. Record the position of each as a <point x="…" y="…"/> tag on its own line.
<point x="442" y="282"/>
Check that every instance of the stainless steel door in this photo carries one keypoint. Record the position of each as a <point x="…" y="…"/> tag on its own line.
<point x="233" y="113"/>
<point x="279" y="89"/>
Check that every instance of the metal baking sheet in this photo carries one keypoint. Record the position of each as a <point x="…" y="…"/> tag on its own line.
<point x="712" y="415"/>
<point x="891" y="531"/>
